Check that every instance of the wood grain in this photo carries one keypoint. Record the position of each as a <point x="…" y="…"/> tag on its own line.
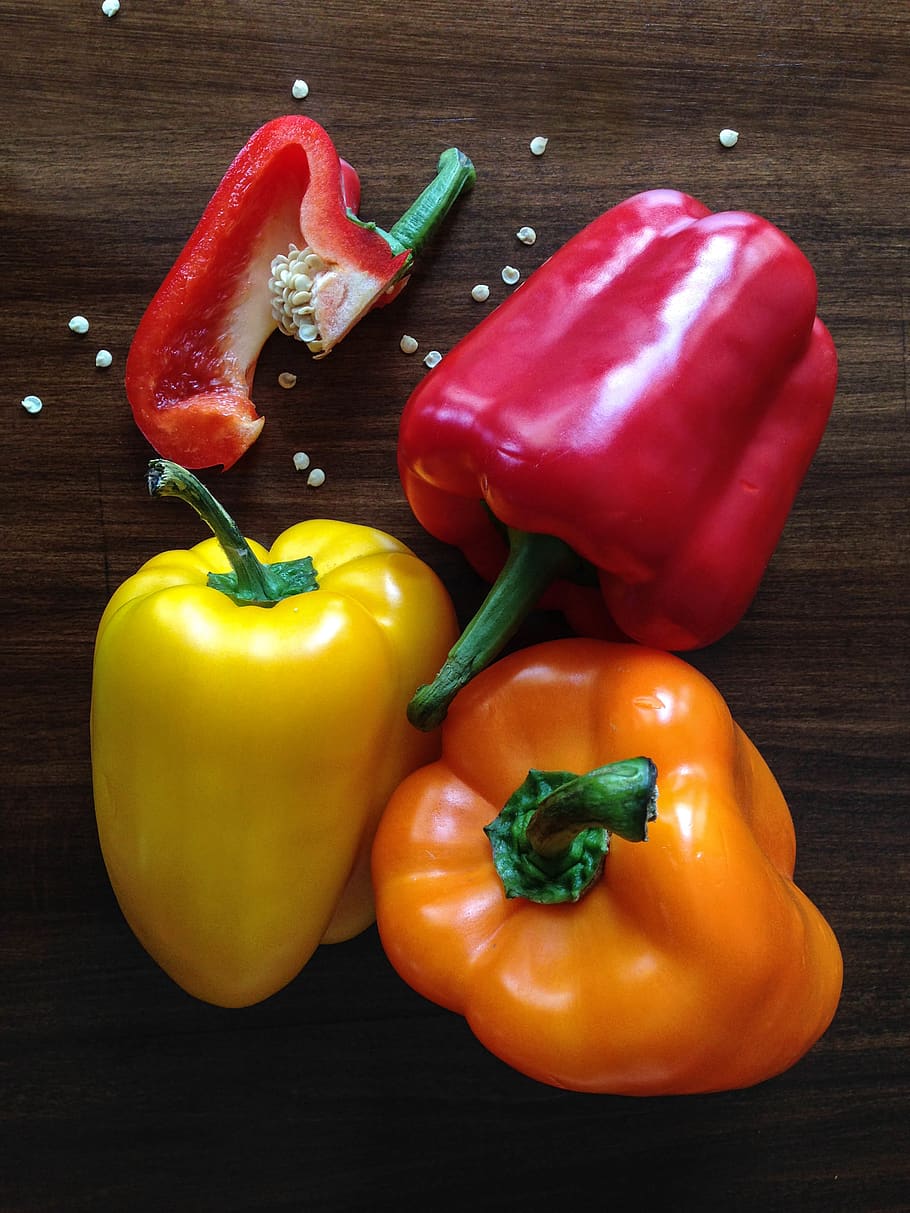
<point x="347" y="1091"/>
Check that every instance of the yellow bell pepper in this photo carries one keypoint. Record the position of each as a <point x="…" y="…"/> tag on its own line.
<point x="248" y="726"/>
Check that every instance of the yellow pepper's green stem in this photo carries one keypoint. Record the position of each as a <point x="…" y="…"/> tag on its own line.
<point x="250" y="582"/>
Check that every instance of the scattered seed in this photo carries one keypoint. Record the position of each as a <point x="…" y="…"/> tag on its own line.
<point x="433" y="358"/>
<point x="32" y="404"/>
<point x="301" y="461"/>
<point x="526" y="235"/>
<point x="78" y="324"/>
<point x="510" y="275"/>
<point x="300" y="89"/>
<point x="408" y="344"/>
<point x="481" y="292"/>
<point x="286" y="379"/>
<point x="728" y="138"/>
<point x="110" y="8"/>
<point x="103" y="359"/>
<point x="538" y="145"/>
<point x="316" y="478"/>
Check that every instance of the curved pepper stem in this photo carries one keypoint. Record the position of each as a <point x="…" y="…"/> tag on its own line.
<point x="552" y="836"/>
<point x="250" y="582"/>
<point x="534" y="562"/>
<point x="454" y="174"/>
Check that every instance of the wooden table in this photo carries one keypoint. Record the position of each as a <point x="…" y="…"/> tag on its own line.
<point x="347" y="1091"/>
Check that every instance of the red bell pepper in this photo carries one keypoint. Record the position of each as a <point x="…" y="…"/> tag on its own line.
<point x="646" y="403"/>
<point x="279" y="245"/>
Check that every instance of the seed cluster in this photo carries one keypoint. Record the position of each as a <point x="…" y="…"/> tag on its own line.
<point x="293" y="285"/>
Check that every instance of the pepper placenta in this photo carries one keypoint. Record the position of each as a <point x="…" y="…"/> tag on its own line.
<point x="644" y="408"/>
<point x="686" y="962"/>
<point x="248" y="726"/>
<point x="278" y="246"/>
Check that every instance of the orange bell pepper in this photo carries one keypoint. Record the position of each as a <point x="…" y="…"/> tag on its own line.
<point x="691" y="962"/>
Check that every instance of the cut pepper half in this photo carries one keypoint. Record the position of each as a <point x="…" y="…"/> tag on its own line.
<point x="278" y="246"/>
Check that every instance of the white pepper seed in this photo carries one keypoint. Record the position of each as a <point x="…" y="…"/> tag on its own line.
<point x="286" y="379"/>
<point x="32" y="404"/>
<point x="103" y="359"/>
<point x="526" y="235"/>
<point x="78" y="324"/>
<point x="728" y="138"/>
<point x="510" y="275"/>
<point x="432" y="359"/>
<point x="299" y="89"/>
<point x="408" y="344"/>
<point x="538" y="145"/>
<point x="316" y="478"/>
<point x="481" y="292"/>
<point x="301" y="461"/>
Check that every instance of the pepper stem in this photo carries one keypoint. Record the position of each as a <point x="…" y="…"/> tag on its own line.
<point x="454" y="174"/>
<point x="250" y="582"/>
<point x="552" y="836"/>
<point x="534" y="561"/>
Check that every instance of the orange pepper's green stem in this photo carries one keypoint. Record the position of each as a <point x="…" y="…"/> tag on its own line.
<point x="250" y="582"/>
<point x="551" y="837"/>
<point x="534" y="562"/>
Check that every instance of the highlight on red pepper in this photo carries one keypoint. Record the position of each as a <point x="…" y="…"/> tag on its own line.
<point x="524" y="881"/>
<point x="278" y="246"/>
<point x="642" y="410"/>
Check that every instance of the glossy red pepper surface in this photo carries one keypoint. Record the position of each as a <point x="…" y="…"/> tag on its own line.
<point x="652" y="395"/>
<point x="193" y="357"/>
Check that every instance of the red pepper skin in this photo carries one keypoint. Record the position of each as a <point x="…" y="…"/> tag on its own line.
<point x="192" y="360"/>
<point x="652" y="395"/>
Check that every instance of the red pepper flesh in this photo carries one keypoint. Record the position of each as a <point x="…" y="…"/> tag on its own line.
<point x="652" y="396"/>
<point x="192" y="360"/>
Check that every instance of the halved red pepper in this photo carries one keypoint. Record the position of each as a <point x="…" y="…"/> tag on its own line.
<point x="646" y="403"/>
<point x="279" y="245"/>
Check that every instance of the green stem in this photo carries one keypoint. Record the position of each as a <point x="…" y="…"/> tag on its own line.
<point x="552" y="836"/>
<point x="250" y="582"/>
<point x="534" y="562"/>
<point x="454" y="174"/>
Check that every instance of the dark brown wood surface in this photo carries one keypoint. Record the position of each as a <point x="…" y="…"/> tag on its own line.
<point x="347" y="1091"/>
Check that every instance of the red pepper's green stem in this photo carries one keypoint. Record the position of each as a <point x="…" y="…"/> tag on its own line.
<point x="534" y="562"/>
<point x="552" y="835"/>
<point x="454" y="174"/>
<point x="250" y="583"/>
